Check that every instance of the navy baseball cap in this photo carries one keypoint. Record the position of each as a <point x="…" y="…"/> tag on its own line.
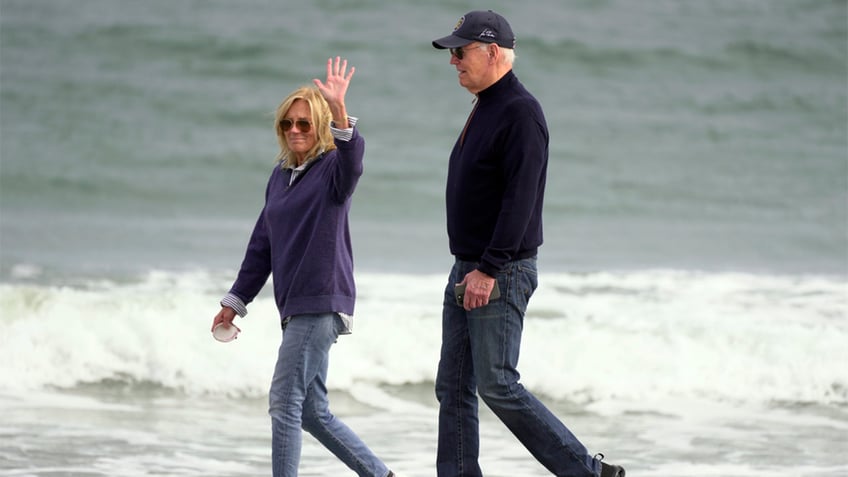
<point x="484" y="26"/>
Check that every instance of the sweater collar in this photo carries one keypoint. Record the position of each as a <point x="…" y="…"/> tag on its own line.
<point x="498" y="87"/>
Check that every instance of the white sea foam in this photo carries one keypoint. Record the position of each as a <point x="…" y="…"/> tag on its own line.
<point x="631" y="336"/>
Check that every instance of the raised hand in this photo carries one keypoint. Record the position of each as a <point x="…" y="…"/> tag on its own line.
<point x="335" y="87"/>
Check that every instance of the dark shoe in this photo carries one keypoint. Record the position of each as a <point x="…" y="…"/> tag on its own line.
<point x="611" y="470"/>
<point x="608" y="470"/>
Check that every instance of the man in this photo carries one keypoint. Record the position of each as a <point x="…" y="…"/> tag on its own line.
<point x="495" y="188"/>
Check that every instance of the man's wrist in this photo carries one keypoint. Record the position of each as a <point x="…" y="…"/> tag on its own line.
<point x="488" y="270"/>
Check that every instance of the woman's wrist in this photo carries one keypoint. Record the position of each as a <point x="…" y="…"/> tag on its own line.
<point x="338" y="110"/>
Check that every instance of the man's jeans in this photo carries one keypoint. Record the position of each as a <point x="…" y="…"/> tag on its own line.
<point x="298" y="399"/>
<point x="480" y="351"/>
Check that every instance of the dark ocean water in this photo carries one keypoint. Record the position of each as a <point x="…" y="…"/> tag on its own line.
<point x="705" y="135"/>
<point x="696" y="223"/>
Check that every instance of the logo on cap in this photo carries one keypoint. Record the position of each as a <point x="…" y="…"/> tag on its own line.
<point x="459" y="23"/>
<point x="487" y="33"/>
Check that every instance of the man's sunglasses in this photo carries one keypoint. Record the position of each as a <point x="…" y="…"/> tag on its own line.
<point x="459" y="53"/>
<point x="302" y="124"/>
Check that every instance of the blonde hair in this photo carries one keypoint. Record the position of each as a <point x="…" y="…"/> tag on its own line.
<point x="321" y="117"/>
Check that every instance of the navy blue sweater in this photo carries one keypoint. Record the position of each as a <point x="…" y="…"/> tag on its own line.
<point x="302" y="236"/>
<point x="496" y="178"/>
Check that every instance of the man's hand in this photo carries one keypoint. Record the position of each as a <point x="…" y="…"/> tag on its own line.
<point x="478" y="287"/>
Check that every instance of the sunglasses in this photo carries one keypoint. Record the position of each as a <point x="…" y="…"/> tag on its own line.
<point x="302" y="124"/>
<point x="459" y="53"/>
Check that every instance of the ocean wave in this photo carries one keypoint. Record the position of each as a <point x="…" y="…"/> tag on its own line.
<point x="756" y="54"/>
<point x="642" y="335"/>
<point x="746" y="57"/>
<point x="615" y="57"/>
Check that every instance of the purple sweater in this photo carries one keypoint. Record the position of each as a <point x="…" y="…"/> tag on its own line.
<point x="302" y="236"/>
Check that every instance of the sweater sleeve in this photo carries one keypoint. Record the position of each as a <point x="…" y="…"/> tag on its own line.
<point x="256" y="266"/>
<point x="525" y="146"/>
<point x="347" y="167"/>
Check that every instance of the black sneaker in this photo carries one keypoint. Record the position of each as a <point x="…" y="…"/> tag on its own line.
<point x="608" y="470"/>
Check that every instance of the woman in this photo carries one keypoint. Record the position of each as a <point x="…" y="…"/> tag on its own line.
<point x="302" y="239"/>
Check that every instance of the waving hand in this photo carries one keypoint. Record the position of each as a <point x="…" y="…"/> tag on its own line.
<point x="335" y="88"/>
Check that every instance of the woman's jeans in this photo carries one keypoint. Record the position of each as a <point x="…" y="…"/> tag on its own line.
<point x="480" y="351"/>
<point x="298" y="399"/>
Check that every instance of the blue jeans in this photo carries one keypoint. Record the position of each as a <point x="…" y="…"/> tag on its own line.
<point x="480" y="351"/>
<point x="298" y="398"/>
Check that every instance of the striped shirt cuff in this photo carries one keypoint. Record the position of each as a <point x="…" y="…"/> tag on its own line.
<point x="235" y="303"/>
<point x="344" y="134"/>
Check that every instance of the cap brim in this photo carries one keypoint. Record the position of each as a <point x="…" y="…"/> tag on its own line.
<point x="450" y="41"/>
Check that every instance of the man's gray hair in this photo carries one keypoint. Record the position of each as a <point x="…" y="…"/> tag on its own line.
<point x="508" y="56"/>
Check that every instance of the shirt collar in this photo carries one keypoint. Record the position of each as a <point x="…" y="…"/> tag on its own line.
<point x="302" y="167"/>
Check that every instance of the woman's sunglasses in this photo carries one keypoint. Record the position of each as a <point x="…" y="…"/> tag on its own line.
<point x="302" y="124"/>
